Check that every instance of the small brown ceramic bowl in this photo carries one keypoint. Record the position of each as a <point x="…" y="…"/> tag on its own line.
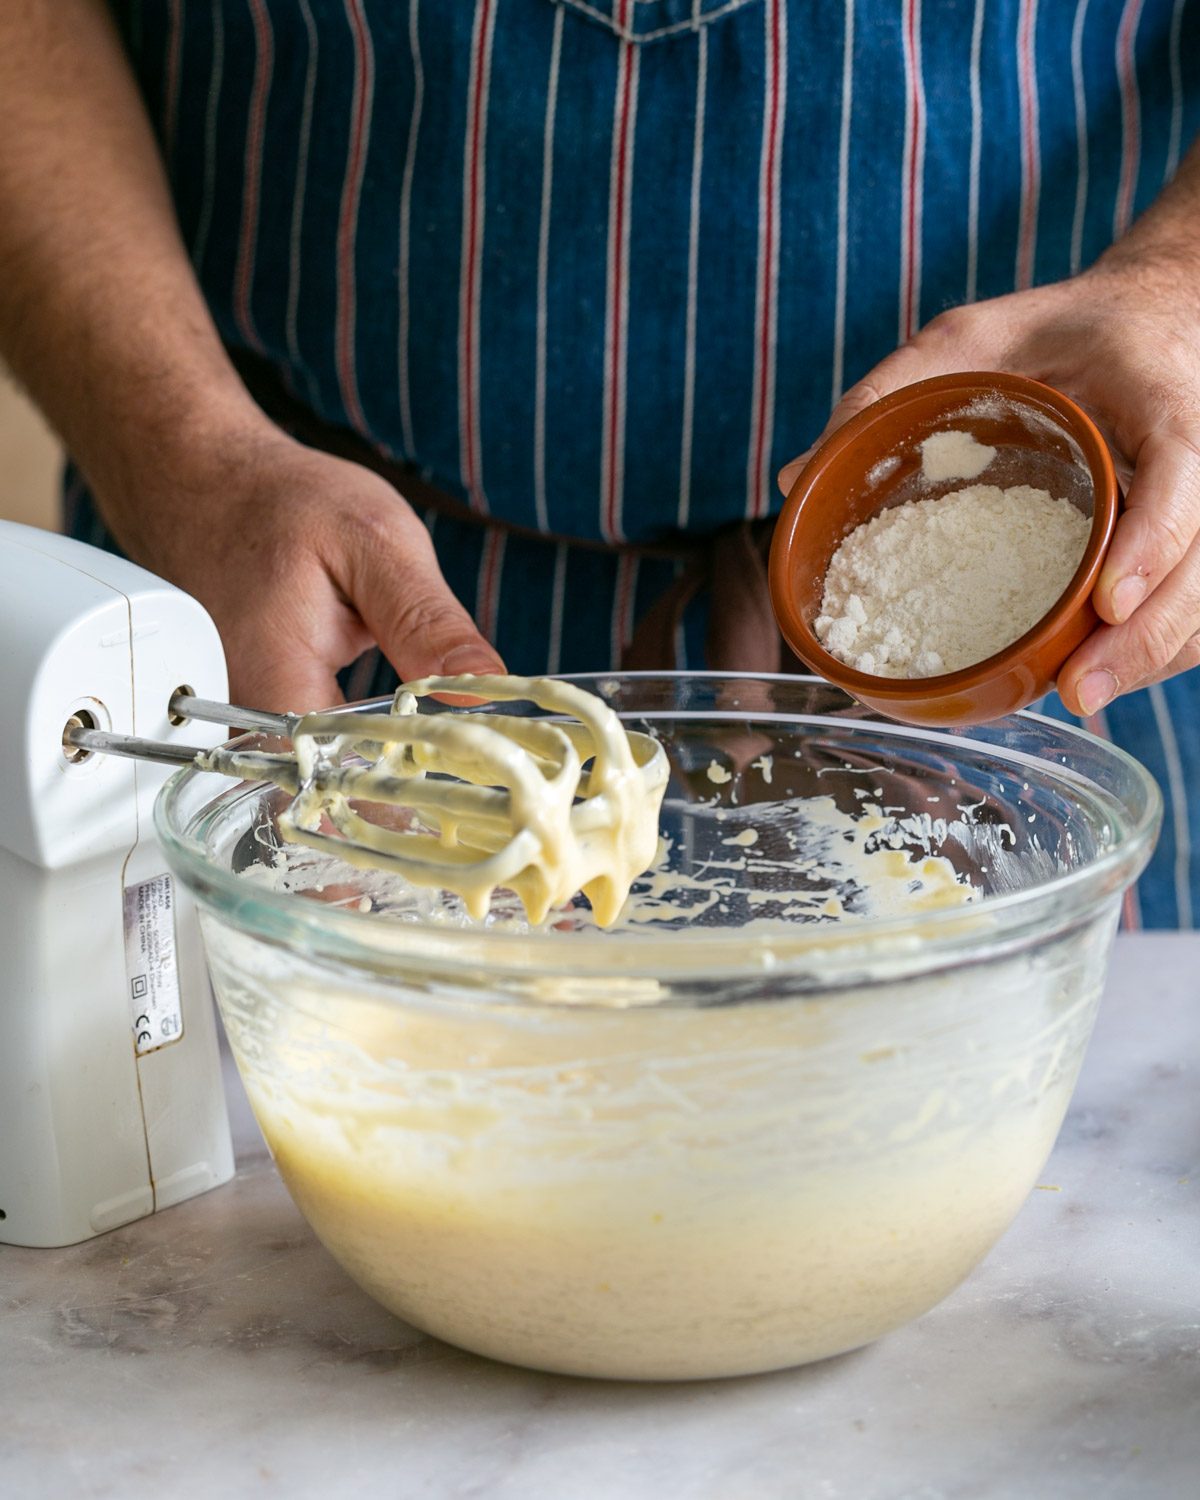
<point x="874" y="462"/>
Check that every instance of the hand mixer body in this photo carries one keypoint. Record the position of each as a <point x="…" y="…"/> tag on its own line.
<point x="111" y="1103"/>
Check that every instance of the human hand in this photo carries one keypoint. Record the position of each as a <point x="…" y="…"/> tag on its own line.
<point x="303" y="560"/>
<point x="1123" y="340"/>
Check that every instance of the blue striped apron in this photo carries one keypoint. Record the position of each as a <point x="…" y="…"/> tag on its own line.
<point x="597" y="268"/>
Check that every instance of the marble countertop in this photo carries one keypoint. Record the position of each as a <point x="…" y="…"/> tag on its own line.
<point x="217" y="1350"/>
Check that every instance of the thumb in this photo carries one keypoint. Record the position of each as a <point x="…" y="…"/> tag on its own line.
<point x="394" y="582"/>
<point x="273" y="663"/>
<point x="284" y="685"/>
<point x="906" y="365"/>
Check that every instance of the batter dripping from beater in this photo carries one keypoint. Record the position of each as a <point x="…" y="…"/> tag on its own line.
<point x="543" y="808"/>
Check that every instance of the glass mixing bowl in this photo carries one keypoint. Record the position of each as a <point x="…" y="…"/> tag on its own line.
<point x="734" y="1133"/>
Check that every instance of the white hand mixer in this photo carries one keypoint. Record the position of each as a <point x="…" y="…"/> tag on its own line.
<point x="110" y="1092"/>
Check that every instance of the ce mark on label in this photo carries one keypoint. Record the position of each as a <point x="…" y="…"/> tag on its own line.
<point x="139" y="988"/>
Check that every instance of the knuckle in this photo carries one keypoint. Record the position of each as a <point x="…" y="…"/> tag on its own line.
<point x="369" y="529"/>
<point x="1186" y="437"/>
<point x="1173" y="389"/>
<point x="910" y="362"/>
<point x="864" y="394"/>
<point x="1184" y="660"/>
<point x="1154" y="644"/>
<point x="382" y="539"/>
<point x="1166" y="537"/>
<point x="952" y="326"/>
<point x="424" y="613"/>
<point x="1188" y="656"/>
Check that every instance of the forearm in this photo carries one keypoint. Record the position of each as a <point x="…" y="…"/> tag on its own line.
<point x="101" y="317"/>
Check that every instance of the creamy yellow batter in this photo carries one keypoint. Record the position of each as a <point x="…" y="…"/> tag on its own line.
<point x="643" y="1190"/>
<point x="657" y="1194"/>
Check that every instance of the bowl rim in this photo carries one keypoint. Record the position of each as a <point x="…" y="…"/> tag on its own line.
<point x="923" y="942"/>
<point x="965" y="386"/>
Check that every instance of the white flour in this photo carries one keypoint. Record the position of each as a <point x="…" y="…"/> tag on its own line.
<point x="937" y="585"/>
<point x="954" y="455"/>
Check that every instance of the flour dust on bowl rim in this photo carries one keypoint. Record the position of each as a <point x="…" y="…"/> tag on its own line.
<point x="752" y="1124"/>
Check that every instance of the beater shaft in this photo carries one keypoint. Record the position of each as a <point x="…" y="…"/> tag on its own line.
<point x="100" y="742"/>
<point x="208" y="711"/>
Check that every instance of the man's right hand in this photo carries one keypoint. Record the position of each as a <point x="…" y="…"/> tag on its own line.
<point x="304" y="561"/>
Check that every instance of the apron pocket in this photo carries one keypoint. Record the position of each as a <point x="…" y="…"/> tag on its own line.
<point x="653" y="20"/>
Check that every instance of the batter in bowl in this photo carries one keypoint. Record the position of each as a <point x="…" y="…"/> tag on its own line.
<point x="611" y="1185"/>
<point x="649" y="1194"/>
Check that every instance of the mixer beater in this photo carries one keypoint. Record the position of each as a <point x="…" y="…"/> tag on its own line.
<point x="543" y="807"/>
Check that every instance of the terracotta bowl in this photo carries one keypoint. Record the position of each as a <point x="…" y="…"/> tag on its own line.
<point x="874" y="462"/>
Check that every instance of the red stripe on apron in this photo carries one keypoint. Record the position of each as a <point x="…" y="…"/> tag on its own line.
<point x="252" y="181"/>
<point x="618" y="289"/>
<point x="348" y="216"/>
<point x="472" y="254"/>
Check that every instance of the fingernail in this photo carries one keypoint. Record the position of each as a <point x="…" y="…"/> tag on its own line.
<point x="1095" y="690"/>
<point x="1127" y="595"/>
<point x="463" y="659"/>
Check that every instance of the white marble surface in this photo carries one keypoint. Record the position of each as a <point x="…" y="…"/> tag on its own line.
<point x="217" y="1350"/>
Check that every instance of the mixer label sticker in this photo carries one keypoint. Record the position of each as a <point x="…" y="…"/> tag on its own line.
<point x="151" y="963"/>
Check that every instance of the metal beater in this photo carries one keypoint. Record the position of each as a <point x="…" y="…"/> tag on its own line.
<point x="542" y="807"/>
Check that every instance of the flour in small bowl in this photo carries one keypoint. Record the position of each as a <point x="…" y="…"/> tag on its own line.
<point x="954" y="455"/>
<point x="936" y="585"/>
